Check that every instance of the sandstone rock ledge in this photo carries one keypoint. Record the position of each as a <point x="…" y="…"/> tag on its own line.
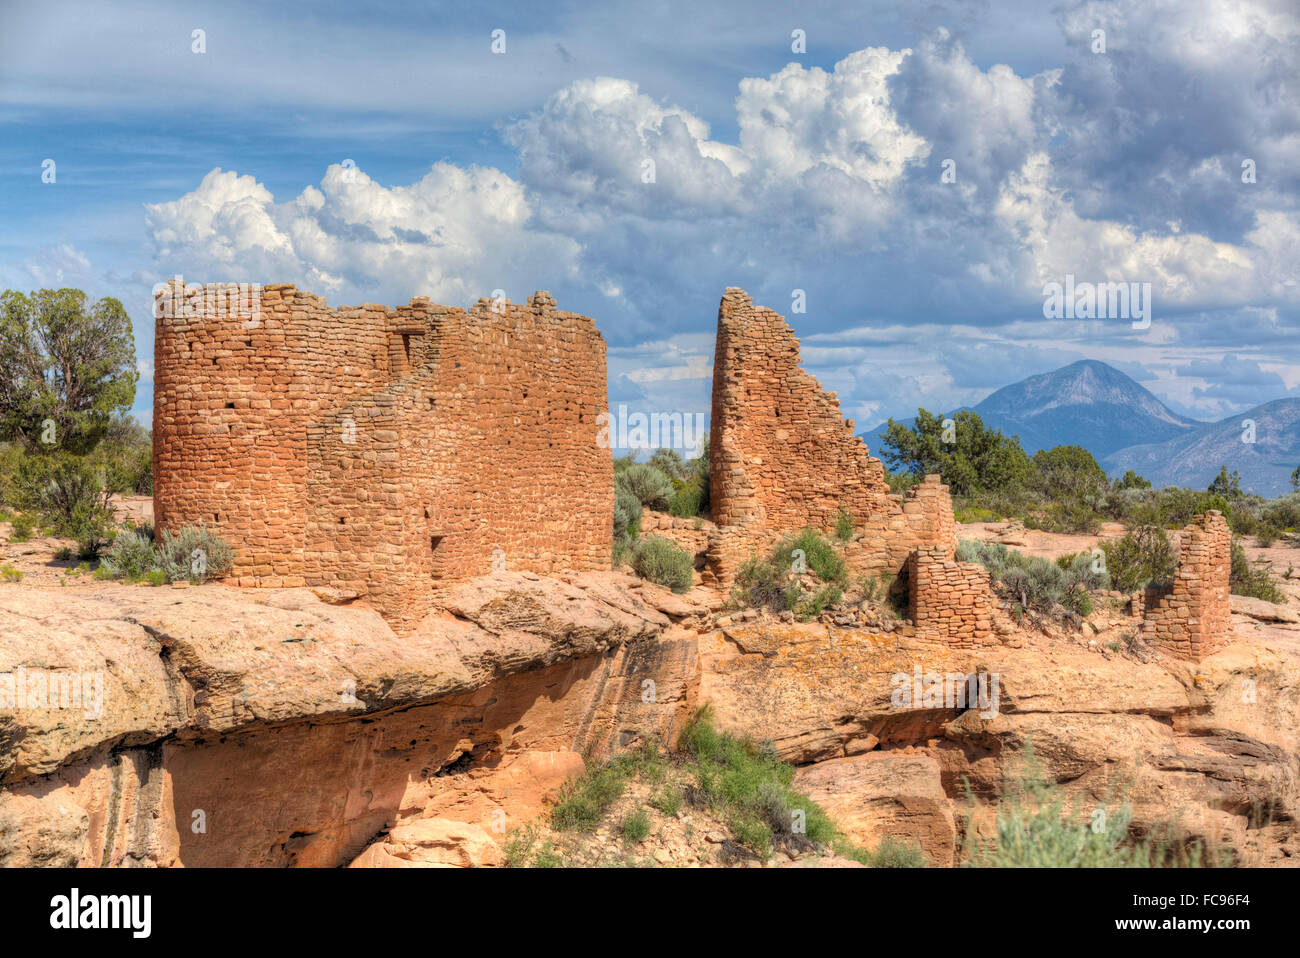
<point x="271" y="728"/>
<point x="1213" y="747"/>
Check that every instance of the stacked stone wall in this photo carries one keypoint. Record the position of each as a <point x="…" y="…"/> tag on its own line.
<point x="948" y="601"/>
<point x="1193" y="618"/>
<point x="780" y="453"/>
<point x="920" y="519"/>
<point x="375" y="450"/>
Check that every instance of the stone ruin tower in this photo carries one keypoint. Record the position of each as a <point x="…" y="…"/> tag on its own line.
<point x="1192" y="617"/>
<point x="378" y="450"/>
<point x="779" y="452"/>
<point x="781" y="457"/>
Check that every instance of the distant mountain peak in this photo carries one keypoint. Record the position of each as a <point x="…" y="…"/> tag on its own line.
<point x="1125" y="426"/>
<point x="1084" y="383"/>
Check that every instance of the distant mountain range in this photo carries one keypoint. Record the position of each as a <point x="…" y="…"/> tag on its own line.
<point x="1125" y="426"/>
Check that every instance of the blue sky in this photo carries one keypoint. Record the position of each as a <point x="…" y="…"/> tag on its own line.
<point x="377" y="152"/>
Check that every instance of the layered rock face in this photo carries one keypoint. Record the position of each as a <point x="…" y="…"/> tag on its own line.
<point x="234" y="729"/>
<point x="374" y="450"/>
<point x="269" y="728"/>
<point x="886" y="742"/>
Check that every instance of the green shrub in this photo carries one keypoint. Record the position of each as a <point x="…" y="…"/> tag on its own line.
<point x="1140" y="559"/>
<point x="156" y="577"/>
<point x="92" y="527"/>
<point x="818" y="602"/>
<point x="822" y="558"/>
<point x="71" y="496"/>
<point x="130" y="557"/>
<point x="1267" y="534"/>
<point x="627" y="514"/>
<point x="664" y="562"/>
<point x="583" y="801"/>
<point x="843" y="525"/>
<point x="10" y="573"/>
<point x="668" y="800"/>
<point x="1036" y="583"/>
<point x="1255" y="581"/>
<point x="636" y="826"/>
<point x="764" y="584"/>
<point x="650" y="486"/>
<point x="11" y="454"/>
<point x="194" y="554"/>
<point x="895" y="853"/>
<point x="1070" y="516"/>
<point x="1131" y="480"/>
<point x="23" y="526"/>
<point x="768" y="582"/>
<point x="750" y="787"/>
<point x="688" y="500"/>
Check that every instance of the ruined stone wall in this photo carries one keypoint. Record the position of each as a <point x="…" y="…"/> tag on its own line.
<point x="373" y="450"/>
<point x="1194" y="619"/>
<point x="879" y="548"/>
<point x="780" y="453"/>
<point x="517" y="399"/>
<point x="234" y="392"/>
<point x="921" y="519"/>
<point x="949" y="601"/>
<point x="729" y="548"/>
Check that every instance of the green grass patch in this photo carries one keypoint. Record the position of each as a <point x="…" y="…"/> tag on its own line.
<point x="750" y="788"/>
<point x="636" y="826"/>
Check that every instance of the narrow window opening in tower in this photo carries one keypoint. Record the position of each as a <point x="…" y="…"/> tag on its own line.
<point x="434" y="543"/>
<point x="406" y="347"/>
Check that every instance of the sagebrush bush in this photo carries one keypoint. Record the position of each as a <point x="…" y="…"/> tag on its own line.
<point x="627" y="514"/>
<point x="1037" y="583"/>
<point x="650" y="486"/>
<point x="1253" y="580"/>
<point x="130" y="557"/>
<point x="664" y="562"/>
<point x="194" y="554"/>
<point x="1038" y="828"/>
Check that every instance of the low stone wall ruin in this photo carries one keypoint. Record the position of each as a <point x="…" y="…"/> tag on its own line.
<point x="949" y="601"/>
